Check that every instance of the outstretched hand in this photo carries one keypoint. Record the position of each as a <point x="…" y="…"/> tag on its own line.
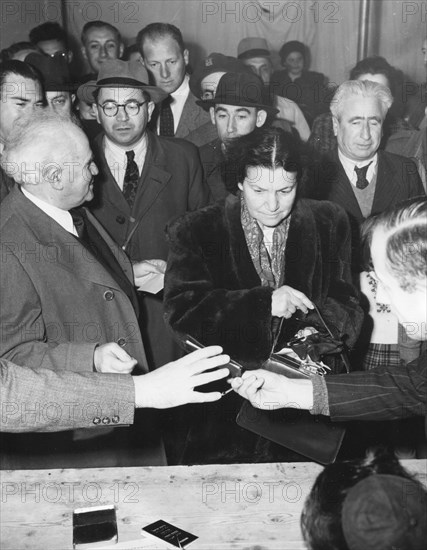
<point x="176" y="383"/>
<point x="268" y="390"/>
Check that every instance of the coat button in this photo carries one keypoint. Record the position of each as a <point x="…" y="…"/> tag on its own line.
<point x="120" y="219"/>
<point x="96" y="420"/>
<point x="121" y="342"/>
<point x="106" y="420"/>
<point x="115" y="419"/>
<point x="108" y="295"/>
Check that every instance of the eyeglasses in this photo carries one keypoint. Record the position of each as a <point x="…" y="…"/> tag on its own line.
<point x="131" y="108"/>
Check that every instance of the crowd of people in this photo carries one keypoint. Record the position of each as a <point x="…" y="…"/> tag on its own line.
<point x="144" y="202"/>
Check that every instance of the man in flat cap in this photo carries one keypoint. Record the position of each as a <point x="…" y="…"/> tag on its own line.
<point x="143" y="181"/>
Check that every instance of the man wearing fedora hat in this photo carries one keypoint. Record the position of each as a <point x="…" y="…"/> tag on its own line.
<point x="143" y="181"/>
<point x="236" y="108"/>
<point x="203" y="84"/>
<point x="254" y="52"/>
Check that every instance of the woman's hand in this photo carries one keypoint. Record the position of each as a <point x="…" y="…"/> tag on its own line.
<point x="286" y="300"/>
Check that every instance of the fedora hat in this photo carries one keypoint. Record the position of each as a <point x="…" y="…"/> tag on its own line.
<point x="115" y="73"/>
<point x="242" y="90"/>
<point x="54" y="72"/>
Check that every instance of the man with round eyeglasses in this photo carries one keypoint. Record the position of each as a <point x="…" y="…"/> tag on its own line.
<point x="144" y="180"/>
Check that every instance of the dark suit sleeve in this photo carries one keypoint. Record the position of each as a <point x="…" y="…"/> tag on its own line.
<point x="381" y="394"/>
<point x="50" y="401"/>
<point x="198" y="190"/>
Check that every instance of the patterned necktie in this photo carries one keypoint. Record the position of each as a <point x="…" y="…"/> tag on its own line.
<point x="166" y="127"/>
<point x="130" y="183"/>
<point x="362" y="181"/>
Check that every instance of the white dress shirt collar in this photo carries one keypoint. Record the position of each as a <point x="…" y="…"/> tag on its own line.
<point x="63" y="217"/>
<point x="349" y="165"/>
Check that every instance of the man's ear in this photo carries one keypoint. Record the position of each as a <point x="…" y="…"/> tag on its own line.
<point x="96" y="111"/>
<point x="261" y="117"/>
<point x="69" y="56"/>
<point x="212" y="114"/>
<point x="335" y="125"/>
<point x="121" y="49"/>
<point x="52" y="173"/>
<point x="186" y="56"/>
<point x="83" y="50"/>
<point x="150" y="110"/>
<point x="73" y="98"/>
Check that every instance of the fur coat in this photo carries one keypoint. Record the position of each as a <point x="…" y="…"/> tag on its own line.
<point x="213" y="292"/>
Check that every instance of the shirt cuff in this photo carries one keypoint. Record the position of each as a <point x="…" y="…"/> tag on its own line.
<point x="320" y="396"/>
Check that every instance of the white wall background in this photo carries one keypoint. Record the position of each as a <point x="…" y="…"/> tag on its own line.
<point x="329" y="28"/>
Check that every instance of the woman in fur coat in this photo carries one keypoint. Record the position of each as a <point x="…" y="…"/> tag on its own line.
<point x="245" y="273"/>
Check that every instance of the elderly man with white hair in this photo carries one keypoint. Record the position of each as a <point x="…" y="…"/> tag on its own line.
<point x="68" y="299"/>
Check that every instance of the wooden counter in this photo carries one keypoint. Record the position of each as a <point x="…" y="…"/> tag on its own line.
<point x="240" y="506"/>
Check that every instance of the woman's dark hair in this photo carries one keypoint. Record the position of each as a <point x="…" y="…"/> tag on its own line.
<point x="321" y="516"/>
<point x="266" y="147"/>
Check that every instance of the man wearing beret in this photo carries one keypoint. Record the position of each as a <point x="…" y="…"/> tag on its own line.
<point x="143" y="181"/>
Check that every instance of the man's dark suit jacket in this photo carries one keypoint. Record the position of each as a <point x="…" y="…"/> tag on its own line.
<point x="211" y="156"/>
<point x="381" y="394"/>
<point x="397" y="180"/>
<point x="170" y="184"/>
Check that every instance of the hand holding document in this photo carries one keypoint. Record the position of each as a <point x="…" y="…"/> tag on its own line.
<point x="149" y="275"/>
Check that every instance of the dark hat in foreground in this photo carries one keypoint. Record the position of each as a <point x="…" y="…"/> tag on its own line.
<point x="382" y="512"/>
<point x="242" y="90"/>
<point x="115" y="73"/>
<point x="253" y="46"/>
<point x="214" y="63"/>
<point x="54" y="70"/>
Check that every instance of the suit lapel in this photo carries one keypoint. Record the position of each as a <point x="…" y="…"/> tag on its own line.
<point x="58" y="245"/>
<point x="153" y="179"/>
<point x="192" y="117"/>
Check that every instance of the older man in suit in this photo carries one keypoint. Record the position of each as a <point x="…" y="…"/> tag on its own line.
<point x="143" y="181"/>
<point x="68" y="298"/>
<point x="166" y="59"/>
<point x="365" y="181"/>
